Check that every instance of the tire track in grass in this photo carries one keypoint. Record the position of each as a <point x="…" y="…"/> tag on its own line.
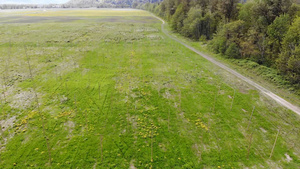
<point x="263" y="90"/>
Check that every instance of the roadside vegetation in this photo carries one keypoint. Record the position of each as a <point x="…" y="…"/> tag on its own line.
<point x="262" y="36"/>
<point x="98" y="91"/>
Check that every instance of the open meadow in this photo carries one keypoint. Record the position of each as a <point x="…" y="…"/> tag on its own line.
<point x="107" y="89"/>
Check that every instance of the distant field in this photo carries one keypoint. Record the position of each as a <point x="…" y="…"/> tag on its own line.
<point x="64" y="19"/>
<point x="107" y="89"/>
<point x="67" y="15"/>
<point x="90" y="12"/>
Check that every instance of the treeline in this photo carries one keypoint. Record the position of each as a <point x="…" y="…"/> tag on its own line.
<point x="107" y="3"/>
<point x="28" y="6"/>
<point x="264" y="31"/>
<point x="94" y="3"/>
<point x="85" y="4"/>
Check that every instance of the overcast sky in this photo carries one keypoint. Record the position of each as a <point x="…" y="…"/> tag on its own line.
<point x="33" y="1"/>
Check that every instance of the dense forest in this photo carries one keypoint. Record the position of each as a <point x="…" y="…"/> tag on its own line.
<point x="264" y="31"/>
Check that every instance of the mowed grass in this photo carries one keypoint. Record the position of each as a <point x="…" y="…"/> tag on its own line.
<point x="120" y="95"/>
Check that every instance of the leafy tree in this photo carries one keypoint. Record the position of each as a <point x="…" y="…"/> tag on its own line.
<point x="270" y="9"/>
<point x="275" y="33"/>
<point x="196" y="25"/>
<point x="229" y="9"/>
<point x="289" y="59"/>
<point x="168" y="7"/>
<point x="294" y="11"/>
<point x="228" y="35"/>
<point x="246" y="14"/>
<point x="202" y="4"/>
<point x="232" y="51"/>
<point x="247" y="45"/>
<point x="261" y="44"/>
<point x="177" y="19"/>
<point x="213" y="6"/>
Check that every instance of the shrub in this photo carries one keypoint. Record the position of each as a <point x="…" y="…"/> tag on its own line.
<point x="232" y="51"/>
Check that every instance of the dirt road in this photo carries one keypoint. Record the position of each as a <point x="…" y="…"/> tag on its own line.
<point x="259" y="87"/>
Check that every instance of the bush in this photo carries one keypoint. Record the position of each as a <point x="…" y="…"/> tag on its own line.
<point x="203" y="39"/>
<point x="232" y="51"/>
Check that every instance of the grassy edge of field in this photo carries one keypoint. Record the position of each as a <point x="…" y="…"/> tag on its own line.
<point x="284" y="91"/>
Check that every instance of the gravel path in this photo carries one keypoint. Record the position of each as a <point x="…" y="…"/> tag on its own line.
<point x="259" y="87"/>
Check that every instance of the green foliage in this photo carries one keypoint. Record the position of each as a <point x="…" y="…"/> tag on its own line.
<point x="196" y="18"/>
<point x="246" y="14"/>
<point x="227" y="39"/>
<point x="276" y="32"/>
<point x="203" y="39"/>
<point x="270" y="9"/>
<point x="218" y="45"/>
<point x="294" y="10"/>
<point x="289" y="59"/>
<point x="265" y="72"/>
<point x="177" y="19"/>
<point x="229" y="9"/>
<point x="232" y="51"/>
<point x="197" y="24"/>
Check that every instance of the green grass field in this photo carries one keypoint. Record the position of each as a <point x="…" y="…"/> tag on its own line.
<point x="107" y="89"/>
